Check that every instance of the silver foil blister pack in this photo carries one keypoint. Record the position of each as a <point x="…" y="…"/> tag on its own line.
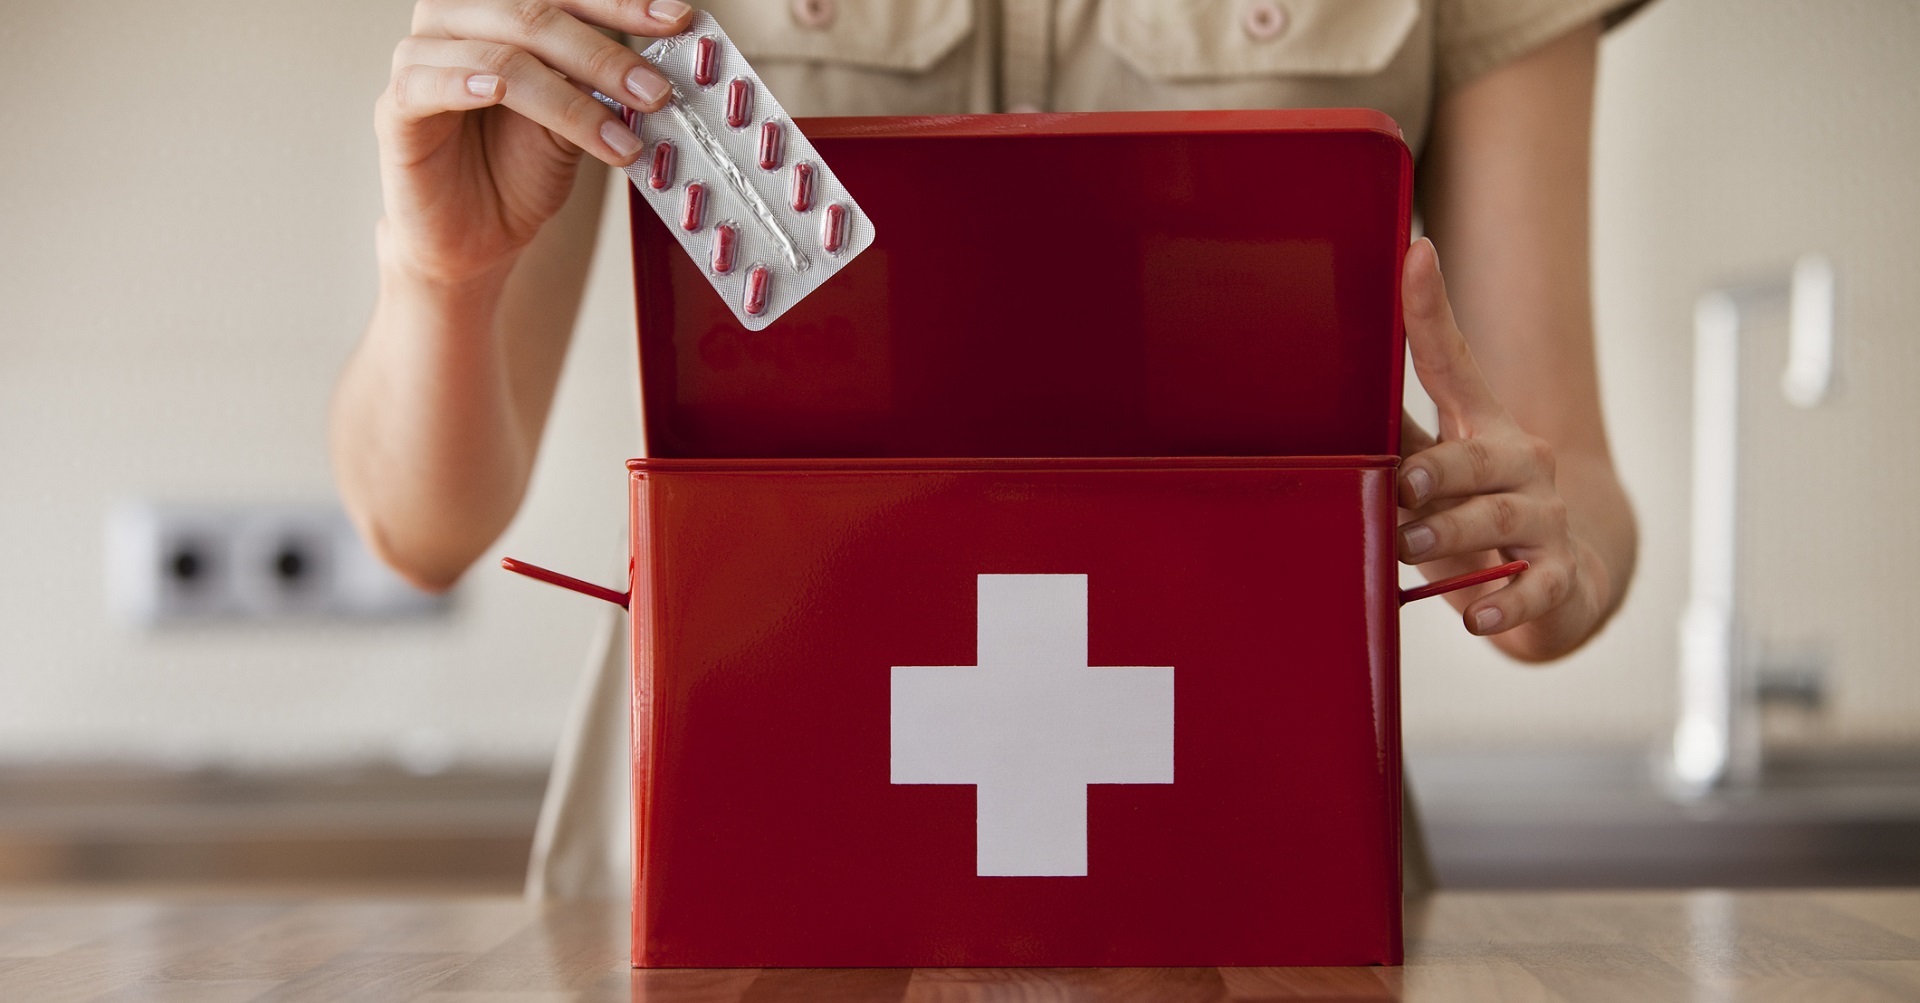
<point x="741" y="189"/>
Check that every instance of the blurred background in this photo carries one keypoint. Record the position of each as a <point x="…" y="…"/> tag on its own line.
<point x="186" y="260"/>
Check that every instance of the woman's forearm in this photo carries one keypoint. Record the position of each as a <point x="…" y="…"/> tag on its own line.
<point x="490" y="215"/>
<point x="431" y="455"/>
<point x="439" y="413"/>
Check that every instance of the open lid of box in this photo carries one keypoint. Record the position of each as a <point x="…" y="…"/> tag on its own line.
<point x="1217" y="283"/>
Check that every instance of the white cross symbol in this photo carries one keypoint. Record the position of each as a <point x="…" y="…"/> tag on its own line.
<point x="1032" y="725"/>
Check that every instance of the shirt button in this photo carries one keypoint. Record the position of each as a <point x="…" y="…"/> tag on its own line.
<point x="813" y="13"/>
<point x="1265" y="21"/>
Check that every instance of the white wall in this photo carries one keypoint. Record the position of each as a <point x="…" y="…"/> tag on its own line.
<point x="186" y="202"/>
<point x="188" y="199"/>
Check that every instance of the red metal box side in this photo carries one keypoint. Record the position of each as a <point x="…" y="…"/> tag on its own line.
<point x="1379" y="498"/>
<point x="769" y="604"/>
<point x="1102" y="284"/>
<point x="645" y="723"/>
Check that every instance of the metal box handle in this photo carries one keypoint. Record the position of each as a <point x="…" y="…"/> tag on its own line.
<point x="1454" y="584"/>
<point x="538" y="573"/>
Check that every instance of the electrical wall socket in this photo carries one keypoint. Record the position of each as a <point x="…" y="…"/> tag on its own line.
<point x="169" y="563"/>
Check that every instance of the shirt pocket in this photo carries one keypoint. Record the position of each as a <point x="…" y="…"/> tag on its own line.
<point x="855" y="57"/>
<point x="1226" y="39"/>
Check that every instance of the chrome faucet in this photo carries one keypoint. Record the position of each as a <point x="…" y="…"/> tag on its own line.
<point x="1717" y="740"/>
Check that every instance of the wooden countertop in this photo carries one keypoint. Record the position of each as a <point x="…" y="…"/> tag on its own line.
<point x="215" y="947"/>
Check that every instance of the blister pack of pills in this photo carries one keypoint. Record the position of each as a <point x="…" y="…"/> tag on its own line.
<point x="736" y="183"/>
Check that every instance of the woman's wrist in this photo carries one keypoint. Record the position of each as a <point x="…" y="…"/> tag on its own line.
<point x="425" y="309"/>
<point x="1602" y="519"/>
<point x="407" y="274"/>
<point x="428" y="443"/>
<point x="438" y="342"/>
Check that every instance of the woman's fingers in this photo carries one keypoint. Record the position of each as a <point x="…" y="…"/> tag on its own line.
<point x="1485" y="487"/>
<point x="1516" y="525"/>
<point x="552" y="34"/>
<point x="412" y="113"/>
<point x="1460" y="468"/>
<point x="1546" y="585"/>
<point x="538" y="93"/>
<point x="1508" y="521"/>
<point x="656" y="19"/>
<point x="1441" y="357"/>
<point x="652" y="18"/>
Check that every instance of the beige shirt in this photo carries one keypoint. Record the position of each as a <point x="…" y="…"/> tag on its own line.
<point x="945" y="57"/>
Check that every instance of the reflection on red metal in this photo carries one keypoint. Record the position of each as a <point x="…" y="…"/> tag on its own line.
<point x="773" y="144"/>
<point x="660" y="168"/>
<point x="693" y="211"/>
<point x="759" y="281"/>
<point x="1458" y="582"/>
<point x="726" y="243"/>
<point x="705" y="53"/>
<point x="538" y="573"/>
<point x="739" y="102"/>
<point x="802" y="190"/>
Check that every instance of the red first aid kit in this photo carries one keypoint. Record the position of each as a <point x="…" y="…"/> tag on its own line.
<point x="1025" y="595"/>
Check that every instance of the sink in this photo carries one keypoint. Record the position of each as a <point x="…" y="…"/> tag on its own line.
<point x="1585" y="819"/>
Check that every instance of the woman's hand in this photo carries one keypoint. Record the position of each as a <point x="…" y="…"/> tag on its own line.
<point x="1485" y="492"/>
<point x="483" y="253"/>
<point x="483" y="121"/>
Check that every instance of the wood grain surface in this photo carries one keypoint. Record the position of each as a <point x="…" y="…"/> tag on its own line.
<point x="1485" y="947"/>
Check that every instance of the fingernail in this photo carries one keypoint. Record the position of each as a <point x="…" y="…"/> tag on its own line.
<point x="1419" y="482"/>
<point x="650" y="87"/>
<point x="1434" y="251"/>
<point x="1486" y="621"/>
<point x="623" y="142"/>
<point x="667" y="10"/>
<point x="1419" y="540"/>
<point x="483" y="85"/>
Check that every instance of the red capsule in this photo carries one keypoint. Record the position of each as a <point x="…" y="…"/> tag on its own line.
<point x="631" y="118"/>
<point x="833" y="228"/>
<point x="802" y="187"/>
<point x="706" y="54"/>
<point x="660" y="170"/>
<point x="759" y="281"/>
<point x="773" y="144"/>
<point x="739" y="102"/>
<point x="726" y="243"/>
<point x="693" y="211"/>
